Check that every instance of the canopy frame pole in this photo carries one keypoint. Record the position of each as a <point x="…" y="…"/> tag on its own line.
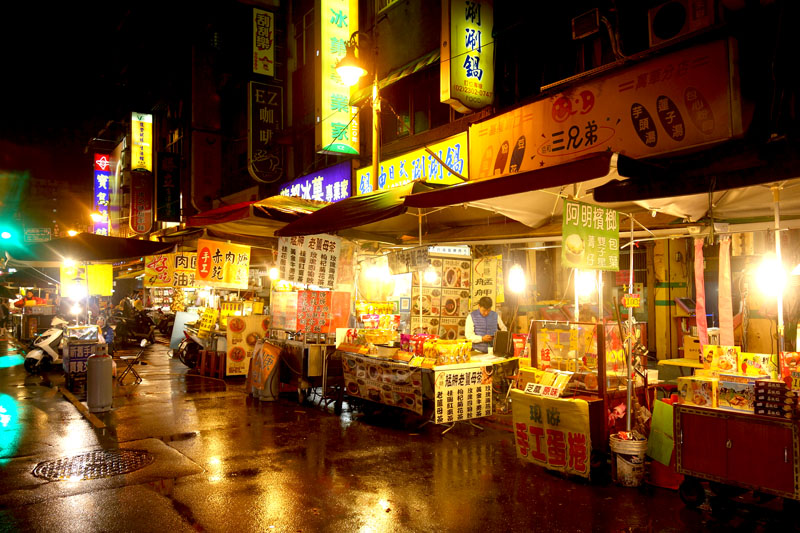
<point x="630" y="333"/>
<point x="776" y="198"/>
<point x="420" y="275"/>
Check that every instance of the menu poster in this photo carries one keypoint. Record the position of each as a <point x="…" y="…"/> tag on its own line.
<point x="452" y="328"/>
<point x="222" y="264"/>
<point x="462" y="394"/>
<point x="428" y="324"/>
<point x="170" y="270"/>
<point x="590" y="236"/>
<point x="553" y="433"/>
<point x="243" y="334"/>
<point x="455" y="302"/>
<point x="431" y="301"/>
<point x="310" y="260"/>
<point x="456" y="273"/>
<point x="313" y="311"/>
<point x="383" y="382"/>
<point x="428" y="280"/>
<point x="284" y="310"/>
<point x="410" y="260"/>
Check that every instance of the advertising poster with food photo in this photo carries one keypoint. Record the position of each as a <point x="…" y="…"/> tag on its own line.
<point x="243" y="334"/>
<point x="383" y="382"/>
<point x="431" y="301"/>
<point x="456" y="273"/>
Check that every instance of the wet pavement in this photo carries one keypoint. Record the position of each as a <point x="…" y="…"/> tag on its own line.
<point x="225" y="462"/>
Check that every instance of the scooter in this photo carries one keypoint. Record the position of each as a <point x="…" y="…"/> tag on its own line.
<point x="165" y="322"/>
<point x="188" y="350"/>
<point x="141" y="326"/>
<point x="47" y="348"/>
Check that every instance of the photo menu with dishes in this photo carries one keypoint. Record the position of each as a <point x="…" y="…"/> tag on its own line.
<point x="445" y="297"/>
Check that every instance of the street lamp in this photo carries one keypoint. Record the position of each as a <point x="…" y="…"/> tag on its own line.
<point x="351" y="69"/>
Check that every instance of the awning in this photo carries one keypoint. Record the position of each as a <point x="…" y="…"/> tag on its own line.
<point x="260" y="218"/>
<point x="84" y="247"/>
<point x="397" y="74"/>
<point x="534" y="197"/>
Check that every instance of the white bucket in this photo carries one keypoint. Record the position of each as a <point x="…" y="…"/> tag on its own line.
<point x="627" y="461"/>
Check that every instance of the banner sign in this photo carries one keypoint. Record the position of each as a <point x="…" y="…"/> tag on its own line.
<point x="462" y="394"/>
<point x="141" y="219"/>
<point x="487" y="279"/>
<point x="336" y="120"/>
<point x="467" y="55"/>
<point x="263" y="42"/>
<point x="141" y="142"/>
<point x="102" y="193"/>
<point x="264" y="119"/>
<point x="311" y="260"/>
<point x="383" y="382"/>
<point x="168" y="187"/>
<point x="668" y="103"/>
<point x="170" y="270"/>
<point x="590" y="237"/>
<point x="79" y="281"/>
<point x="420" y="165"/>
<point x="409" y="260"/>
<point x="552" y="433"/>
<point x="222" y="264"/>
<point x="327" y="185"/>
<point x="243" y="334"/>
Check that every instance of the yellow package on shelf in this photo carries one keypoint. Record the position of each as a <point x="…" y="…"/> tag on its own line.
<point x="698" y="390"/>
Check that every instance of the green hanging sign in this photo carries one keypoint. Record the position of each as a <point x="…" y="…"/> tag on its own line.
<point x="590" y="237"/>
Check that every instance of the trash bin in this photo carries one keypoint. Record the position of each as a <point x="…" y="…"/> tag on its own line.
<point x="627" y="461"/>
<point x="99" y="393"/>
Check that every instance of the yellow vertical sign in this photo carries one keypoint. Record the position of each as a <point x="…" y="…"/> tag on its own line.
<point x="141" y="142"/>
<point x="263" y="42"/>
<point x="467" y="54"/>
<point x="336" y="120"/>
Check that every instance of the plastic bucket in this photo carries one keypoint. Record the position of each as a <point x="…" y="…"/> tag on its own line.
<point x="627" y="461"/>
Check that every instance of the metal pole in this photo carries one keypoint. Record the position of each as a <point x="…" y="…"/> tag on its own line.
<point x="630" y="335"/>
<point x="376" y="126"/>
<point x="421" y="273"/>
<point x="776" y="197"/>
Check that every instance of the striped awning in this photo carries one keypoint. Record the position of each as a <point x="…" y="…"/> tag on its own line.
<point x="397" y="74"/>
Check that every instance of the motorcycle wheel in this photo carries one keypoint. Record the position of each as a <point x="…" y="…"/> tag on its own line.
<point x="190" y="355"/>
<point x="44" y="364"/>
<point x="31" y="366"/>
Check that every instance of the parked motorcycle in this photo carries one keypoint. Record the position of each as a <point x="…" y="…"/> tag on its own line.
<point x="188" y="350"/>
<point x="165" y="322"/>
<point x="46" y="347"/>
<point x="134" y="329"/>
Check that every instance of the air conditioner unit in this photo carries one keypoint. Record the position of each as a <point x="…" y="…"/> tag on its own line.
<point x="677" y="18"/>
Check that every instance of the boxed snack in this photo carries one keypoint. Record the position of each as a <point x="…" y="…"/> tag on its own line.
<point x="758" y="364"/>
<point x="736" y="396"/>
<point x="722" y="358"/>
<point x="739" y="378"/>
<point x="698" y="390"/>
<point x="790" y="362"/>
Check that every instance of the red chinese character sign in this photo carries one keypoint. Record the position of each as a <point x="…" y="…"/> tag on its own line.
<point x="141" y="219"/>
<point x="552" y="433"/>
<point x="668" y="103"/>
<point x="170" y="270"/>
<point x="222" y="264"/>
<point x="311" y="260"/>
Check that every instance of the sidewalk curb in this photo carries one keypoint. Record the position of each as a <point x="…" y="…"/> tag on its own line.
<point x="96" y="422"/>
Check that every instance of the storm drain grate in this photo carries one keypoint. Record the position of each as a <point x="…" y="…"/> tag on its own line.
<point x="93" y="465"/>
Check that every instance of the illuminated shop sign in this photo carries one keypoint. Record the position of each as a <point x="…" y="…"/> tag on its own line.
<point x="328" y="185"/>
<point x="336" y="119"/>
<point x="141" y="142"/>
<point x="263" y="42"/>
<point x="102" y="192"/>
<point x="420" y="165"/>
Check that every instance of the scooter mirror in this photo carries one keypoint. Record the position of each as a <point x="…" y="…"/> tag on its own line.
<point x="143" y="343"/>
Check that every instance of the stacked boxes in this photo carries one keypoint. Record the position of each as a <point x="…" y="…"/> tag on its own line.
<point x="737" y="392"/>
<point x="775" y="398"/>
<point x="698" y="390"/>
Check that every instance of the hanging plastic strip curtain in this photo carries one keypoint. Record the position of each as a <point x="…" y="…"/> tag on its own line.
<point x="700" y="292"/>
<point x="725" y="301"/>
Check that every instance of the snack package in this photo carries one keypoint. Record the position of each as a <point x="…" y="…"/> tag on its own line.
<point x="722" y="358"/>
<point x="697" y="390"/>
<point x="758" y="364"/>
<point x="735" y="396"/>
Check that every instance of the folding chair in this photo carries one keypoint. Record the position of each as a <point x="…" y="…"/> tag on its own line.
<point x="130" y="361"/>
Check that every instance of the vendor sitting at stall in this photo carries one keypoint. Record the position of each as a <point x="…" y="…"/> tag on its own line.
<point x="482" y="324"/>
<point x="108" y="332"/>
<point x="28" y="300"/>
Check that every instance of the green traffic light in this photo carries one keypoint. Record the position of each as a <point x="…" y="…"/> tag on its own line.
<point x="5" y="235"/>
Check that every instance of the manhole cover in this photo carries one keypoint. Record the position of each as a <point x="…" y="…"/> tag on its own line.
<point x="93" y="465"/>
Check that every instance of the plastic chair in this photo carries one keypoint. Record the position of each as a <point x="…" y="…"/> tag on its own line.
<point x="130" y="361"/>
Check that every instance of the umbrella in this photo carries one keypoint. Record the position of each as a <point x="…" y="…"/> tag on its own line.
<point x="85" y="247"/>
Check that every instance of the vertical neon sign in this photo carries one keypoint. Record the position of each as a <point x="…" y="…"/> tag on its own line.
<point x="100" y="203"/>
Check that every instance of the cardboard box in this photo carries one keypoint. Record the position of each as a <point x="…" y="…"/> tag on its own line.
<point x="735" y="396"/>
<point x="698" y="390"/>
<point x="756" y="364"/>
<point x="722" y="358"/>
<point x="691" y="348"/>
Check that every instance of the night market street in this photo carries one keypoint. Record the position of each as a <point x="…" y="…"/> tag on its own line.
<point x="226" y="462"/>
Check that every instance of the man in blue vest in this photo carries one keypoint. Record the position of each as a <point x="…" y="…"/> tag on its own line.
<point x="482" y="324"/>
